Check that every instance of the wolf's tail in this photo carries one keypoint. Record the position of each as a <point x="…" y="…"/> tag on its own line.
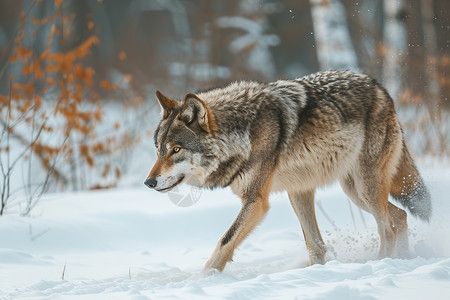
<point x="409" y="189"/>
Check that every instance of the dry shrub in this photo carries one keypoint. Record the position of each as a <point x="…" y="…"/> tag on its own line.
<point x="53" y="112"/>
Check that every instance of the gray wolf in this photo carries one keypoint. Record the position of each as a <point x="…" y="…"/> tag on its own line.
<point x="293" y="135"/>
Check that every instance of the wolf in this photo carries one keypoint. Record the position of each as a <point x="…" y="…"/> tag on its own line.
<point x="292" y="135"/>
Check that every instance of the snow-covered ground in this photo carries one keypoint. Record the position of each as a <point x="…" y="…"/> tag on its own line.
<point x="133" y="243"/>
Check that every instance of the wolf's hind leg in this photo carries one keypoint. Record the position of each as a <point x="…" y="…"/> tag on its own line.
<point x="371" y="196"/>
<point x="303" y="204"/>
<point x="398" y="217"/>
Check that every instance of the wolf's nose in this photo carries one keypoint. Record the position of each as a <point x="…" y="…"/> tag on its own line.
<point x="150" y="182"/>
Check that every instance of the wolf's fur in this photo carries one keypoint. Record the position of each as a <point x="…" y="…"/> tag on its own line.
<point x="294" y="136"/>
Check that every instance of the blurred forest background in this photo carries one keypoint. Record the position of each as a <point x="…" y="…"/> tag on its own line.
<point x="77" y="77"/>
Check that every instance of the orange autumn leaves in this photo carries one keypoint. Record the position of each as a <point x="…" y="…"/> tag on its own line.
<point x="58" y="62"/>
<point x="55" y="84"/>
<point x="63" y="71"/>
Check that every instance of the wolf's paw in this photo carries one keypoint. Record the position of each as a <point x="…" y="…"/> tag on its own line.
<point x="210" y="271"/>
<point x="214" y="264"/>
<point x="219" y="258"/>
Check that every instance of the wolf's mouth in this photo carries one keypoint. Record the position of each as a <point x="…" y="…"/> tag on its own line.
<point x="172" y="186"/>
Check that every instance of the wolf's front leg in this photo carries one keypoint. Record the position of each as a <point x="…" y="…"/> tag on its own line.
<point x="252" y="212"/>
<point x="254" y="206"/>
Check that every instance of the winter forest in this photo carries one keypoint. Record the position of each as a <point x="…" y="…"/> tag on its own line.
<point x="66" y="64"/>
<point x="78" y="112"/>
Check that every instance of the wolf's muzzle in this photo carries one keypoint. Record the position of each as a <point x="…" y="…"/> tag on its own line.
<point x="151" y="182"/>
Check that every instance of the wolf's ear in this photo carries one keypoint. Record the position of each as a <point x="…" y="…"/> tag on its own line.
<point x="195" y="109"/>
<point x="167" y="104"/>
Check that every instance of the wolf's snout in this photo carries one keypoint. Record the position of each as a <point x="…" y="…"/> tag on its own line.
<point x="151" y="182"/>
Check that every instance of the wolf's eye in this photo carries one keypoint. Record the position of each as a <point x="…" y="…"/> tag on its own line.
<point x="176" y="149"/>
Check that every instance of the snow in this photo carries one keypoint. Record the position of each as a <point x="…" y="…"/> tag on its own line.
<point x="134" y="243"/>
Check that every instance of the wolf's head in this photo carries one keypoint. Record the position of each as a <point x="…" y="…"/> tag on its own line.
<point x="180" y="142"/>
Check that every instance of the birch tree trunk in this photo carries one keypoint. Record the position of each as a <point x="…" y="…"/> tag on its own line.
<point x="394" y="46"/>
<point x="333" y="42"/>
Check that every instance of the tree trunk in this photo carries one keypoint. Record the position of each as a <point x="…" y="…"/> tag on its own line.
<point x="295" y="55"/>
<point x="333" y="42"/>
<point x="364" y="19"/>
<point x="431" y="67"/>
<point x="394" y="46"/>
